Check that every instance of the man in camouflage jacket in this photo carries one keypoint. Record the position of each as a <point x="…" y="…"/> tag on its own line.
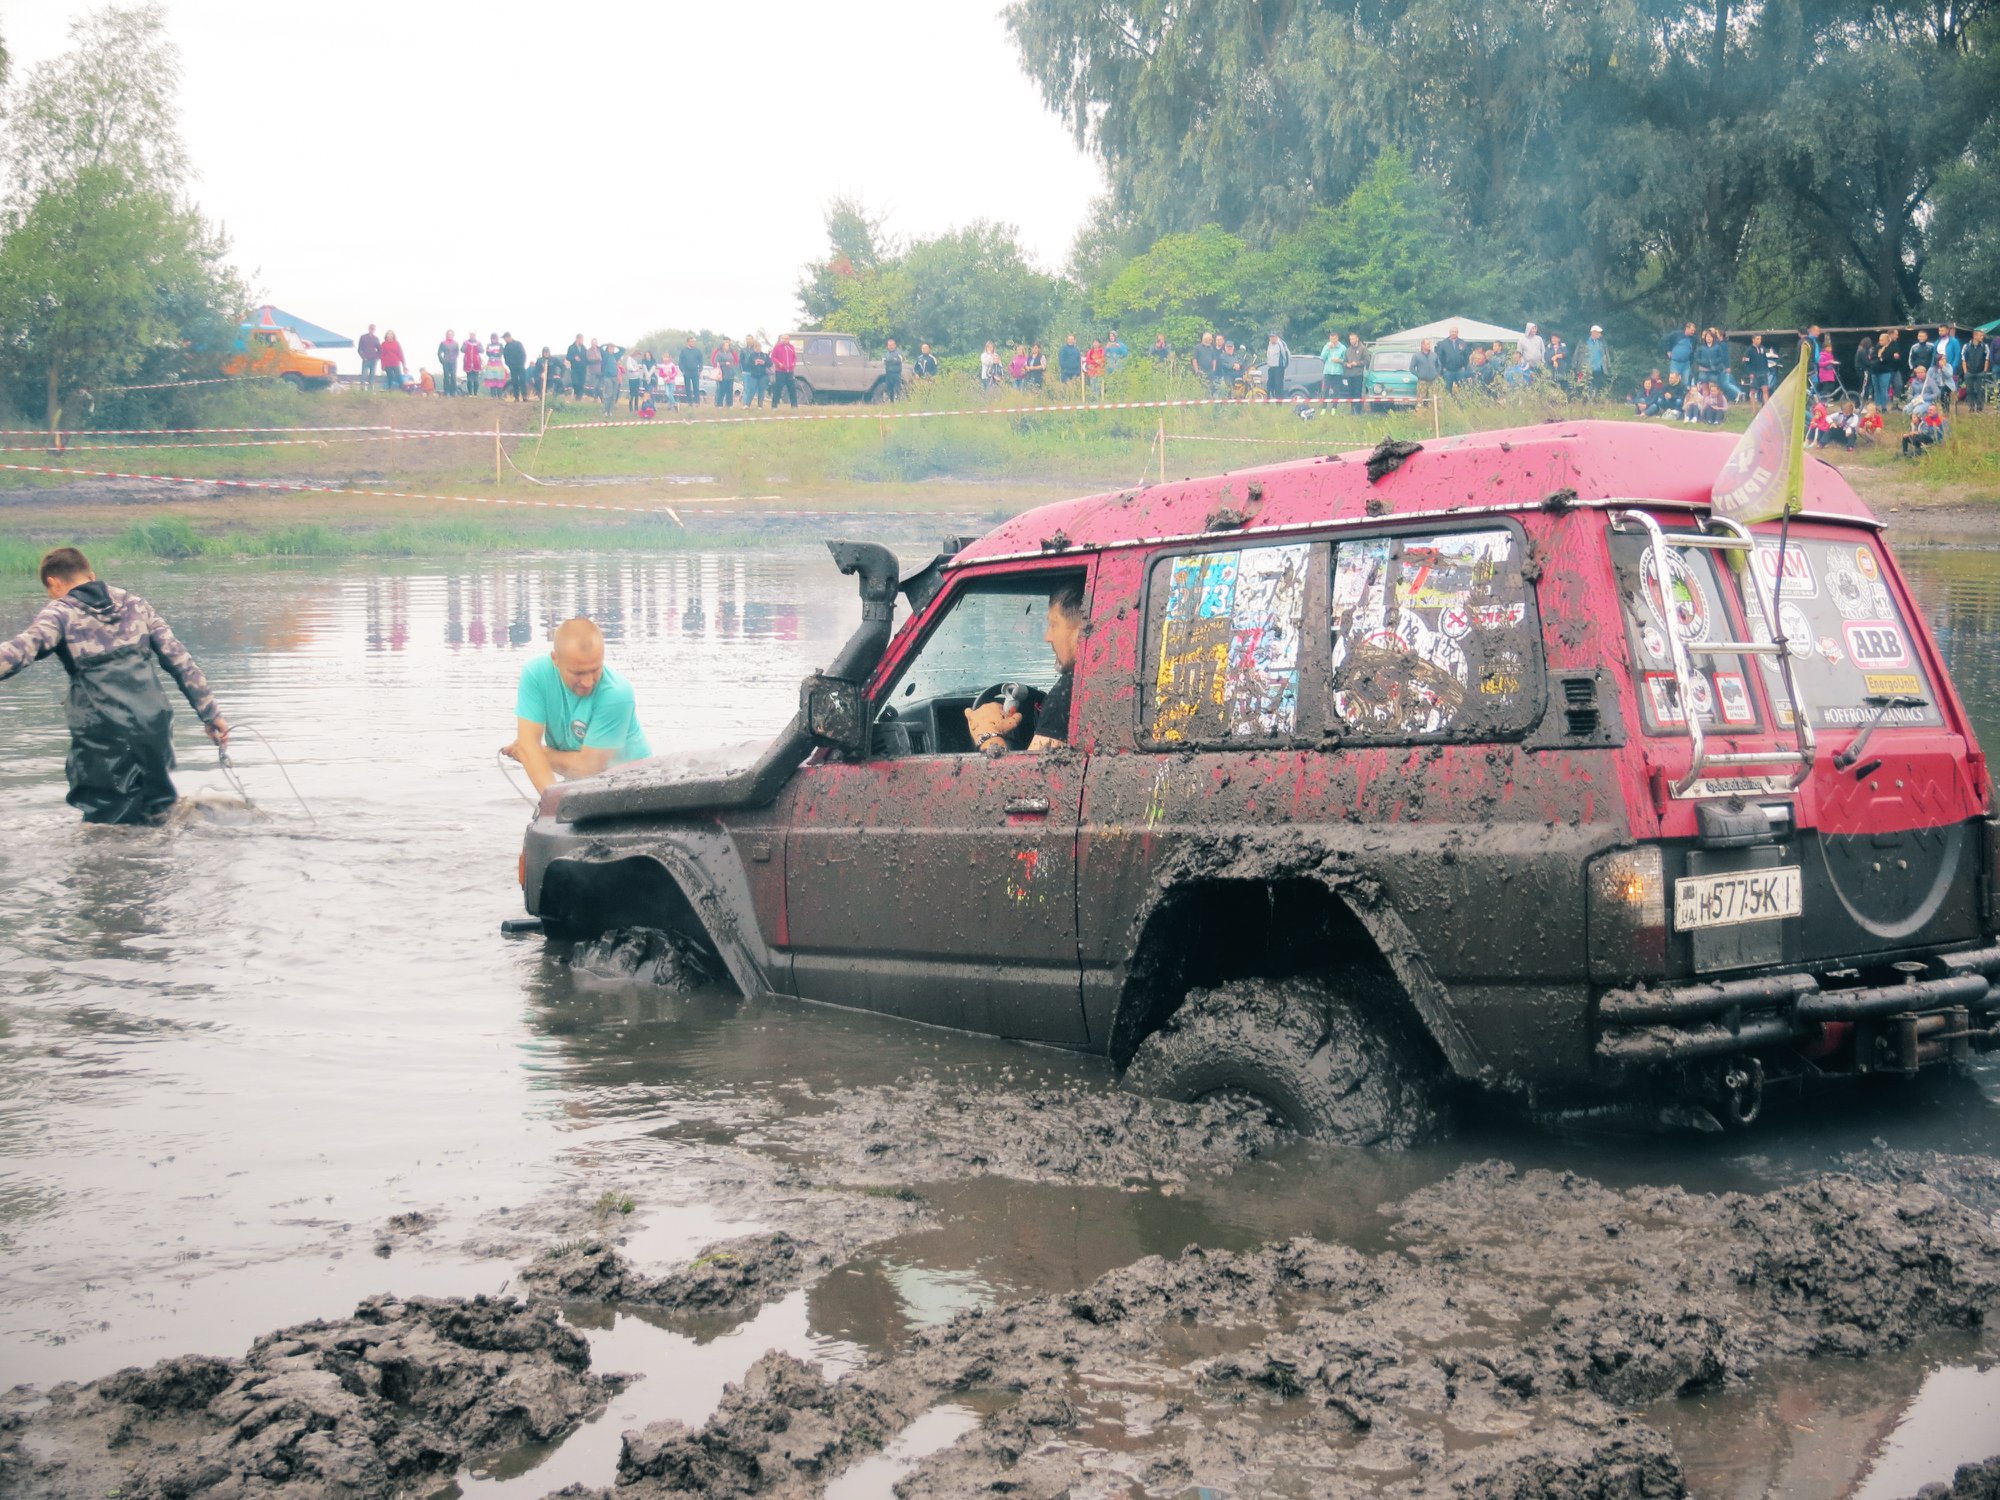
<point x="120" y="727"/>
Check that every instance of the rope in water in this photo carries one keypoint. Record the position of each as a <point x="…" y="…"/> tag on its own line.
<point x="236" y="781"/>
<point x="500" y="756"/>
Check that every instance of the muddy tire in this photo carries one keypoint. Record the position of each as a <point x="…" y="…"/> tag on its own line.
<point x="1307" y="1055"/>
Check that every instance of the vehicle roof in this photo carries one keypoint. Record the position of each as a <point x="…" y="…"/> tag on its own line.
<point x="1510" y="469"/>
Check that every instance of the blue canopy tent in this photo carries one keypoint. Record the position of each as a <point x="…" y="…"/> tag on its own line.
<point x="1993" y="327"/>
<point x="315" y="337"/>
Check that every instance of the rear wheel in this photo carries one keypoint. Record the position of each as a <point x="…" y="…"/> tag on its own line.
<point x="805" y="392"/>
<point x="1304" y="1052"/>
<point x="878" y="393"/>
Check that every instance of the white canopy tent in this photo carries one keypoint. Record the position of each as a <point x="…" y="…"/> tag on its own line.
<point x="1470" y="329"/>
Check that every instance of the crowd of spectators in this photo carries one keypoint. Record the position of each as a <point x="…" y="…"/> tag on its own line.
<point x="1702" y="374"/>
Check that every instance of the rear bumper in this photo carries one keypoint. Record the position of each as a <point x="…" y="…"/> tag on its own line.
<point x="1941" y="1015"/>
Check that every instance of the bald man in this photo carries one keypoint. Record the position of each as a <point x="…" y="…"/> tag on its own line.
<point x="574" y="716"/>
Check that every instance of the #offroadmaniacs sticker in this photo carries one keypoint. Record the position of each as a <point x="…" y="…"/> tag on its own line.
<point x="1876" y="643"/>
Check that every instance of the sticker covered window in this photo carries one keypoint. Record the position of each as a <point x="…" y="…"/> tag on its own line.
<point x="1433" y="636"/>
<point x="1853" y="655"/>
<point x="1690" y="604"/>
<point x="1226" y="647"/>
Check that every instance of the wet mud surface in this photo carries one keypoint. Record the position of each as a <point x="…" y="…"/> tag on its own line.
<point x="1517" y="1337"/>
<point x="266" y="1075"/>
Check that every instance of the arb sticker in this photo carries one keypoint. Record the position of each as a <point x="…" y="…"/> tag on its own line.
<point x="1876" y="643"/>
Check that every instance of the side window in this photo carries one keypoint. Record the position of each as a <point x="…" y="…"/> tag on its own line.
<point x="847" y="348"/>
<point x="1434" y="637"/>
<point x="819" y="349"/>
<point x="1223" y="653"/>
<point x="993" y="632"/>
<point x="1851" y="645"/>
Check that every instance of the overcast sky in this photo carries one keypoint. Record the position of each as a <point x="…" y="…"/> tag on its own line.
<point x="424" y="164"/>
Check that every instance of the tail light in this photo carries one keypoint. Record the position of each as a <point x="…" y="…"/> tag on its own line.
<point x="1627" y="916"/>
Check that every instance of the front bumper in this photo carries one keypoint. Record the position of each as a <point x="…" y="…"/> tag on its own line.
<point x="1939" y="1012"/>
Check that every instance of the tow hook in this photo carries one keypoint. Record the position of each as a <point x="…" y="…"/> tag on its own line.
<point x="1736" y="1090"/>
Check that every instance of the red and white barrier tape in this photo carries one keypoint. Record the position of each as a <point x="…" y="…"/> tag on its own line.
<point x="384" y="437"/>
<point x="174" y="385"/>
<point x="878" y="414"/>
<point x="177" y="431"/>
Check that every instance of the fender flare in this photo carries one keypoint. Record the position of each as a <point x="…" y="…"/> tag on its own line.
<point x="1360" y="898"/>
<point x="708" y="901"/>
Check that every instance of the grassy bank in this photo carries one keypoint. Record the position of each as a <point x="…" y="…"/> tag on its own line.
<point x="613" y="488"/>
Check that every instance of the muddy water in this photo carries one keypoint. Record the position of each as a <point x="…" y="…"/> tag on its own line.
<point x="230" y="1052"/>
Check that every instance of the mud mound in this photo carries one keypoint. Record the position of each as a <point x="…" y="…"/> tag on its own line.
<point x="924" y="1130"/>
<point x="402" y="1391"/>
<point x="1503" y="1350"/>
<point x="783" y="1431"/>
<point x="736" y="1276"/>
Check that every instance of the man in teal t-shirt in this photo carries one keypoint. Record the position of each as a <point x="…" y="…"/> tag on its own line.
<point x="574" y="716"/>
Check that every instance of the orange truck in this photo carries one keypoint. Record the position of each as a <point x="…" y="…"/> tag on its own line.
<point x="264" y="350"/>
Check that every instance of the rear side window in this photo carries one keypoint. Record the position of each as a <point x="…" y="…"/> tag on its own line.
<point x="1849" y="641"/>
<point x="1224" y="656"/>
<point x="1692" y="604"/>
<point x="1434" y="636"/>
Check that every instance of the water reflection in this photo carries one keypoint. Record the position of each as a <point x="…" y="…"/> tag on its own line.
<point x="720" y="598"/>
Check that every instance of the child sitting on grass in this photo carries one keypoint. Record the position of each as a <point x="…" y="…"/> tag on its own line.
<point x="1871" y="423"/>
<point x="1926" y="428"/>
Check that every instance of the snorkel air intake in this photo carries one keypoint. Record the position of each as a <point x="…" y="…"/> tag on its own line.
<point x="678" y="784"/>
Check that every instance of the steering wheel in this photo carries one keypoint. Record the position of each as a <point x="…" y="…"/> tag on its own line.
<point x="1020" y="698"/>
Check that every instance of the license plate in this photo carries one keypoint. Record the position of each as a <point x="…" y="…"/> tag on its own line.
<point x="1726" y="900"/>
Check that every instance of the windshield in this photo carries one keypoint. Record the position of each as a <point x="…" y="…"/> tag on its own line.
<point x="1393" y="360"/>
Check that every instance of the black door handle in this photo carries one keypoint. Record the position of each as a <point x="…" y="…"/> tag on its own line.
<point x="1028" y="807"/>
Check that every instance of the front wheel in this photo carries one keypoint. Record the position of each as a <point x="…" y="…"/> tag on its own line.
<point x="296" y="381"/>
<point x="1304" y="1052"/>
<point x="805" y="392"/>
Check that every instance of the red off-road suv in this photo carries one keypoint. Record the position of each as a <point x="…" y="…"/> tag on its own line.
<point x="1481" y="761"/>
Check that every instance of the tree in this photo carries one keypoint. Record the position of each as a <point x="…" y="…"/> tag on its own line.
<point x="855" y="249"/>
<point x="954" y="290"/>
<point x="99" y="275"/>
<point x="1388" y="257"/>
<point x="1184" y="286"/>
<point x="110" y="101"/>
<point x="1964" y="262"/>
<point x="1625" y="161"/>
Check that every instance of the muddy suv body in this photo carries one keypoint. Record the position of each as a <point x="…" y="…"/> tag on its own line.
<point x="1419" y="729"/>
<point x="835" y="367"/>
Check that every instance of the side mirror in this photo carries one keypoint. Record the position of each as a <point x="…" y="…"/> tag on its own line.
<point x="834" y="712"/>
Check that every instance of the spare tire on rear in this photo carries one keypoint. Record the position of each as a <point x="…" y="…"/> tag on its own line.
<point x="1308" y="1055"/>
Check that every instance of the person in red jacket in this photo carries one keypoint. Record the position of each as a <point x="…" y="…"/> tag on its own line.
<point x="784" y="361"/>
<point x="475" y="361"/>
<point x="392" y="361"/>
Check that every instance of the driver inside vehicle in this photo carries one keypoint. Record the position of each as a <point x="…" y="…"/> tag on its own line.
<point x="999" y="714"/>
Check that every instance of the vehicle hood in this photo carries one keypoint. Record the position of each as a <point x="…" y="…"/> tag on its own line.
<point x="686" y="781"/>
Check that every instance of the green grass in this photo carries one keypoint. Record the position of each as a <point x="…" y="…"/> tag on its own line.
<point x="1014" y="452"/>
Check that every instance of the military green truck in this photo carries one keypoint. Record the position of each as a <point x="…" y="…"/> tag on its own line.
<point x="834" y="367"/>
